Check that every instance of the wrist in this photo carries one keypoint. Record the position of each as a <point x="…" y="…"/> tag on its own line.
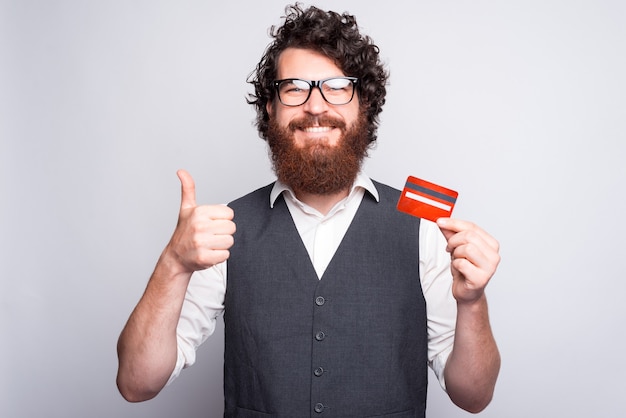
<point x="169" y="266"/>
<point x="473" y="305"/>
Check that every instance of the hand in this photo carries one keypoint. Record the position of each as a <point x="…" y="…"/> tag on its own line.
<point x="474" y="255"/>
<point x="203" y="234"/>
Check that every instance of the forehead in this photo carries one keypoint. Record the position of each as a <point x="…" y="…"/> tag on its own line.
<point x="306" y="64"/>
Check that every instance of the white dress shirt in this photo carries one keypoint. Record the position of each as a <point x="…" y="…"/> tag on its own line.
<point x="321" y="235"/>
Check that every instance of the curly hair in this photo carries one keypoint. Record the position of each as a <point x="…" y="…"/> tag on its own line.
<point x="337" y="37"/>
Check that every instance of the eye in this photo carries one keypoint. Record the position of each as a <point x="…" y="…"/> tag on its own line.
<point x="294" y="86"/>
<point x="337" y="84"/>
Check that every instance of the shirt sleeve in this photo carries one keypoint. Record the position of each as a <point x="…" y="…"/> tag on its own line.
<point x="204" y="303"/>
<point x="436" y="281"/>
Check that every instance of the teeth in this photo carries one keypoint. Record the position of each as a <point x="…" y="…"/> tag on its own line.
<point x="317" y="129"/>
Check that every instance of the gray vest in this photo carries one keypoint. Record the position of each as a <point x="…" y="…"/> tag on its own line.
<point x="353" y="344"/>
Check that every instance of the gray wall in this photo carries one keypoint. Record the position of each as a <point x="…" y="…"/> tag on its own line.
<point x="519" y="105"/>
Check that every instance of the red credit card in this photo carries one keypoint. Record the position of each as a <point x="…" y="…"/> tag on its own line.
<point x="426" y="200"/>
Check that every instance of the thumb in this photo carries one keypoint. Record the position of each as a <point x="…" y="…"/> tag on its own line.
<point x="447" y="233"/>
<point x="188" y="190"/>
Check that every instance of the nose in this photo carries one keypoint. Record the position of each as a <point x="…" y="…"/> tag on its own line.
<point x="316" y="103"/>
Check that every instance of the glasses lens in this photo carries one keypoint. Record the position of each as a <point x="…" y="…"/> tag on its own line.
<point x="338" y="91"/>
<point x="293" y="92"/>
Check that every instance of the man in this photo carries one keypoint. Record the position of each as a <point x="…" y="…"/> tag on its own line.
<point x="334" y="302"/>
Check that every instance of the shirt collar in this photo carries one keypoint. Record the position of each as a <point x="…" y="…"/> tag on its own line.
<point x="361" y="181"/>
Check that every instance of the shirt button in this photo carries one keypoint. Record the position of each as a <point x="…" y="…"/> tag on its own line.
<point x="318" y="372"/>
<point x="320" y="336"/>
<point x="319" y="408"/>
<point x="319" y="301"/>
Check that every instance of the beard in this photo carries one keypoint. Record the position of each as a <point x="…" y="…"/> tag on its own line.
<point x="318" y="168"/>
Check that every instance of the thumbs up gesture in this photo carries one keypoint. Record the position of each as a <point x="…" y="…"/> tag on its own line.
<point x="203" y="234"/>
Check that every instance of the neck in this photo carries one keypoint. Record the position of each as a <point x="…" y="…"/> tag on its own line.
<point x="323" y="203"/>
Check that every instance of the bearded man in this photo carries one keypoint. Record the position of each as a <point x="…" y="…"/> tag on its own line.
<point x="334" y="302"/>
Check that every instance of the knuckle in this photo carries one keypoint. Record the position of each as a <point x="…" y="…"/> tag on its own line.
<point x="196" y="241"/>
<point x="471" y="235"/>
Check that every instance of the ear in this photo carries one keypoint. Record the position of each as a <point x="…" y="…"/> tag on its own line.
<point x="269" y="107"/>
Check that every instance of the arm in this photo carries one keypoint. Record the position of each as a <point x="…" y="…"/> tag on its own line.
<point x="147" y="347"/>
<point x="472" y="368"/>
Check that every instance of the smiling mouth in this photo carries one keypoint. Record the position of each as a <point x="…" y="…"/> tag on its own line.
<point x="317" y="129"/>
<point x="316" y="124"/>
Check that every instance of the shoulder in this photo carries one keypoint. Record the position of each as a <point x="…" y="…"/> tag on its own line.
<point x="253" y="198"/>
<point x="386" y="189"/>
<point x="388" y="196"/>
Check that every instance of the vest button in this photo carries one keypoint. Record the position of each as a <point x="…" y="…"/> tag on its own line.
<point x="319" y="408"/>
<point x="318" y="372"/>
<point x="319" y="301"/>
<point x="320" y="336"/>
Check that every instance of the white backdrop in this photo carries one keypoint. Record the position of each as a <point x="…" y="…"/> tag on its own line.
<point x="518" y="105"/>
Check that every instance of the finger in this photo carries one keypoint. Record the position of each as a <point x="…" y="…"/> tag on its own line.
<point x="222" y="227"/>
<point x="188" y="190"/>
<point x="221" y="242"/>
<point x="447" y="233"/>
<point x="468" y="237"/>
<point x="471" y="274"/>
<point x="222" y="212"/>
<point x="216" y="257"/>
<point x="480" y="256"/>
<point x="454" y="225"/>
<point x="447" y="227"/>
<point x="208" y="213"/>
<point x="451" y="227"/>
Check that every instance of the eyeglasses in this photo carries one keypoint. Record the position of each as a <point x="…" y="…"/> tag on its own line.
<point x="335" y="90"/>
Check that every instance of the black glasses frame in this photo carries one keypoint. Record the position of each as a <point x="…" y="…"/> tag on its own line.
<point x="315" y="83"/>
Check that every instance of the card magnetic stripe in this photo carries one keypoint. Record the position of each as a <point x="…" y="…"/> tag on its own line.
<point x="430" y="192"/>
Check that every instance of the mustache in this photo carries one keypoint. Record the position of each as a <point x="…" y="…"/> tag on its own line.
<point x="309" y="120"/>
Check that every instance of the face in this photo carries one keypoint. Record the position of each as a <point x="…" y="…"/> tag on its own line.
<point x="317" y="147"/>
<point x="316" y="121"/>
